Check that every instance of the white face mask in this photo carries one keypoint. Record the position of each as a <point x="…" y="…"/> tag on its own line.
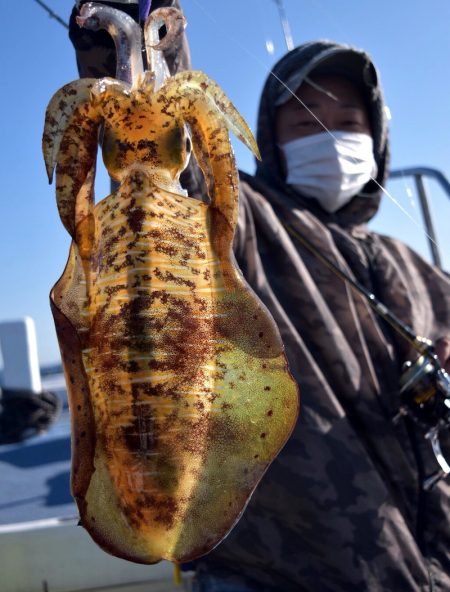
<point x="330" y="168"/>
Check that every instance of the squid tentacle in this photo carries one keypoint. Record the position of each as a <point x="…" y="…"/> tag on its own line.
<point x="126" y="35"/>
<point x="175" y="23"/>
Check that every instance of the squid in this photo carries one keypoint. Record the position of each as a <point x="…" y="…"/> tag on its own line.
<point x="179" y="390"/>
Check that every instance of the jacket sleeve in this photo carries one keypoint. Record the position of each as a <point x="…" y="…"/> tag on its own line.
<point x="426" y="289"/>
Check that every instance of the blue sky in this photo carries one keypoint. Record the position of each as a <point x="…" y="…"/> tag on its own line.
<point x="409" y="42"/>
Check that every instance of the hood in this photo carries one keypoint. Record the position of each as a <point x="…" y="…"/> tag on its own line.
<point x="287" y="75"/>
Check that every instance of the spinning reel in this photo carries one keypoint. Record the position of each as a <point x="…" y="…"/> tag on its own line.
<point x="425" y="395"/>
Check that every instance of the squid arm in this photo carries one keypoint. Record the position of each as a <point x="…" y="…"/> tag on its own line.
<point x="69" y="144"/>
<point x="210" y="114"/>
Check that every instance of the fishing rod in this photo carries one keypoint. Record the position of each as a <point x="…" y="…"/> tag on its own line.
<point x="424" y="384"/>
<point x="52" y="14"/>
<point x="285" y="25"/>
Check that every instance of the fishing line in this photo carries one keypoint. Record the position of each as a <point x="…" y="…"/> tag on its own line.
<point x="270" y="72"/>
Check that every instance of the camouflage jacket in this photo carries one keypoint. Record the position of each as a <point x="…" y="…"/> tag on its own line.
<point x="341" y="509"/>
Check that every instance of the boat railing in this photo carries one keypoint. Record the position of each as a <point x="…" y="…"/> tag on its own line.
<point x="419" y="174"/>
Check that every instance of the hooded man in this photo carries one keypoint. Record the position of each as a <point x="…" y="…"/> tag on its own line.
<point x="342" y="508"/>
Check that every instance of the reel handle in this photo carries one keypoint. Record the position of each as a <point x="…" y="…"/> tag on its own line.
<point x="433" y="436"/>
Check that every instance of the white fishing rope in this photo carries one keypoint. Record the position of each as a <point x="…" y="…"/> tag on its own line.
<point x="269" y="71"/>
